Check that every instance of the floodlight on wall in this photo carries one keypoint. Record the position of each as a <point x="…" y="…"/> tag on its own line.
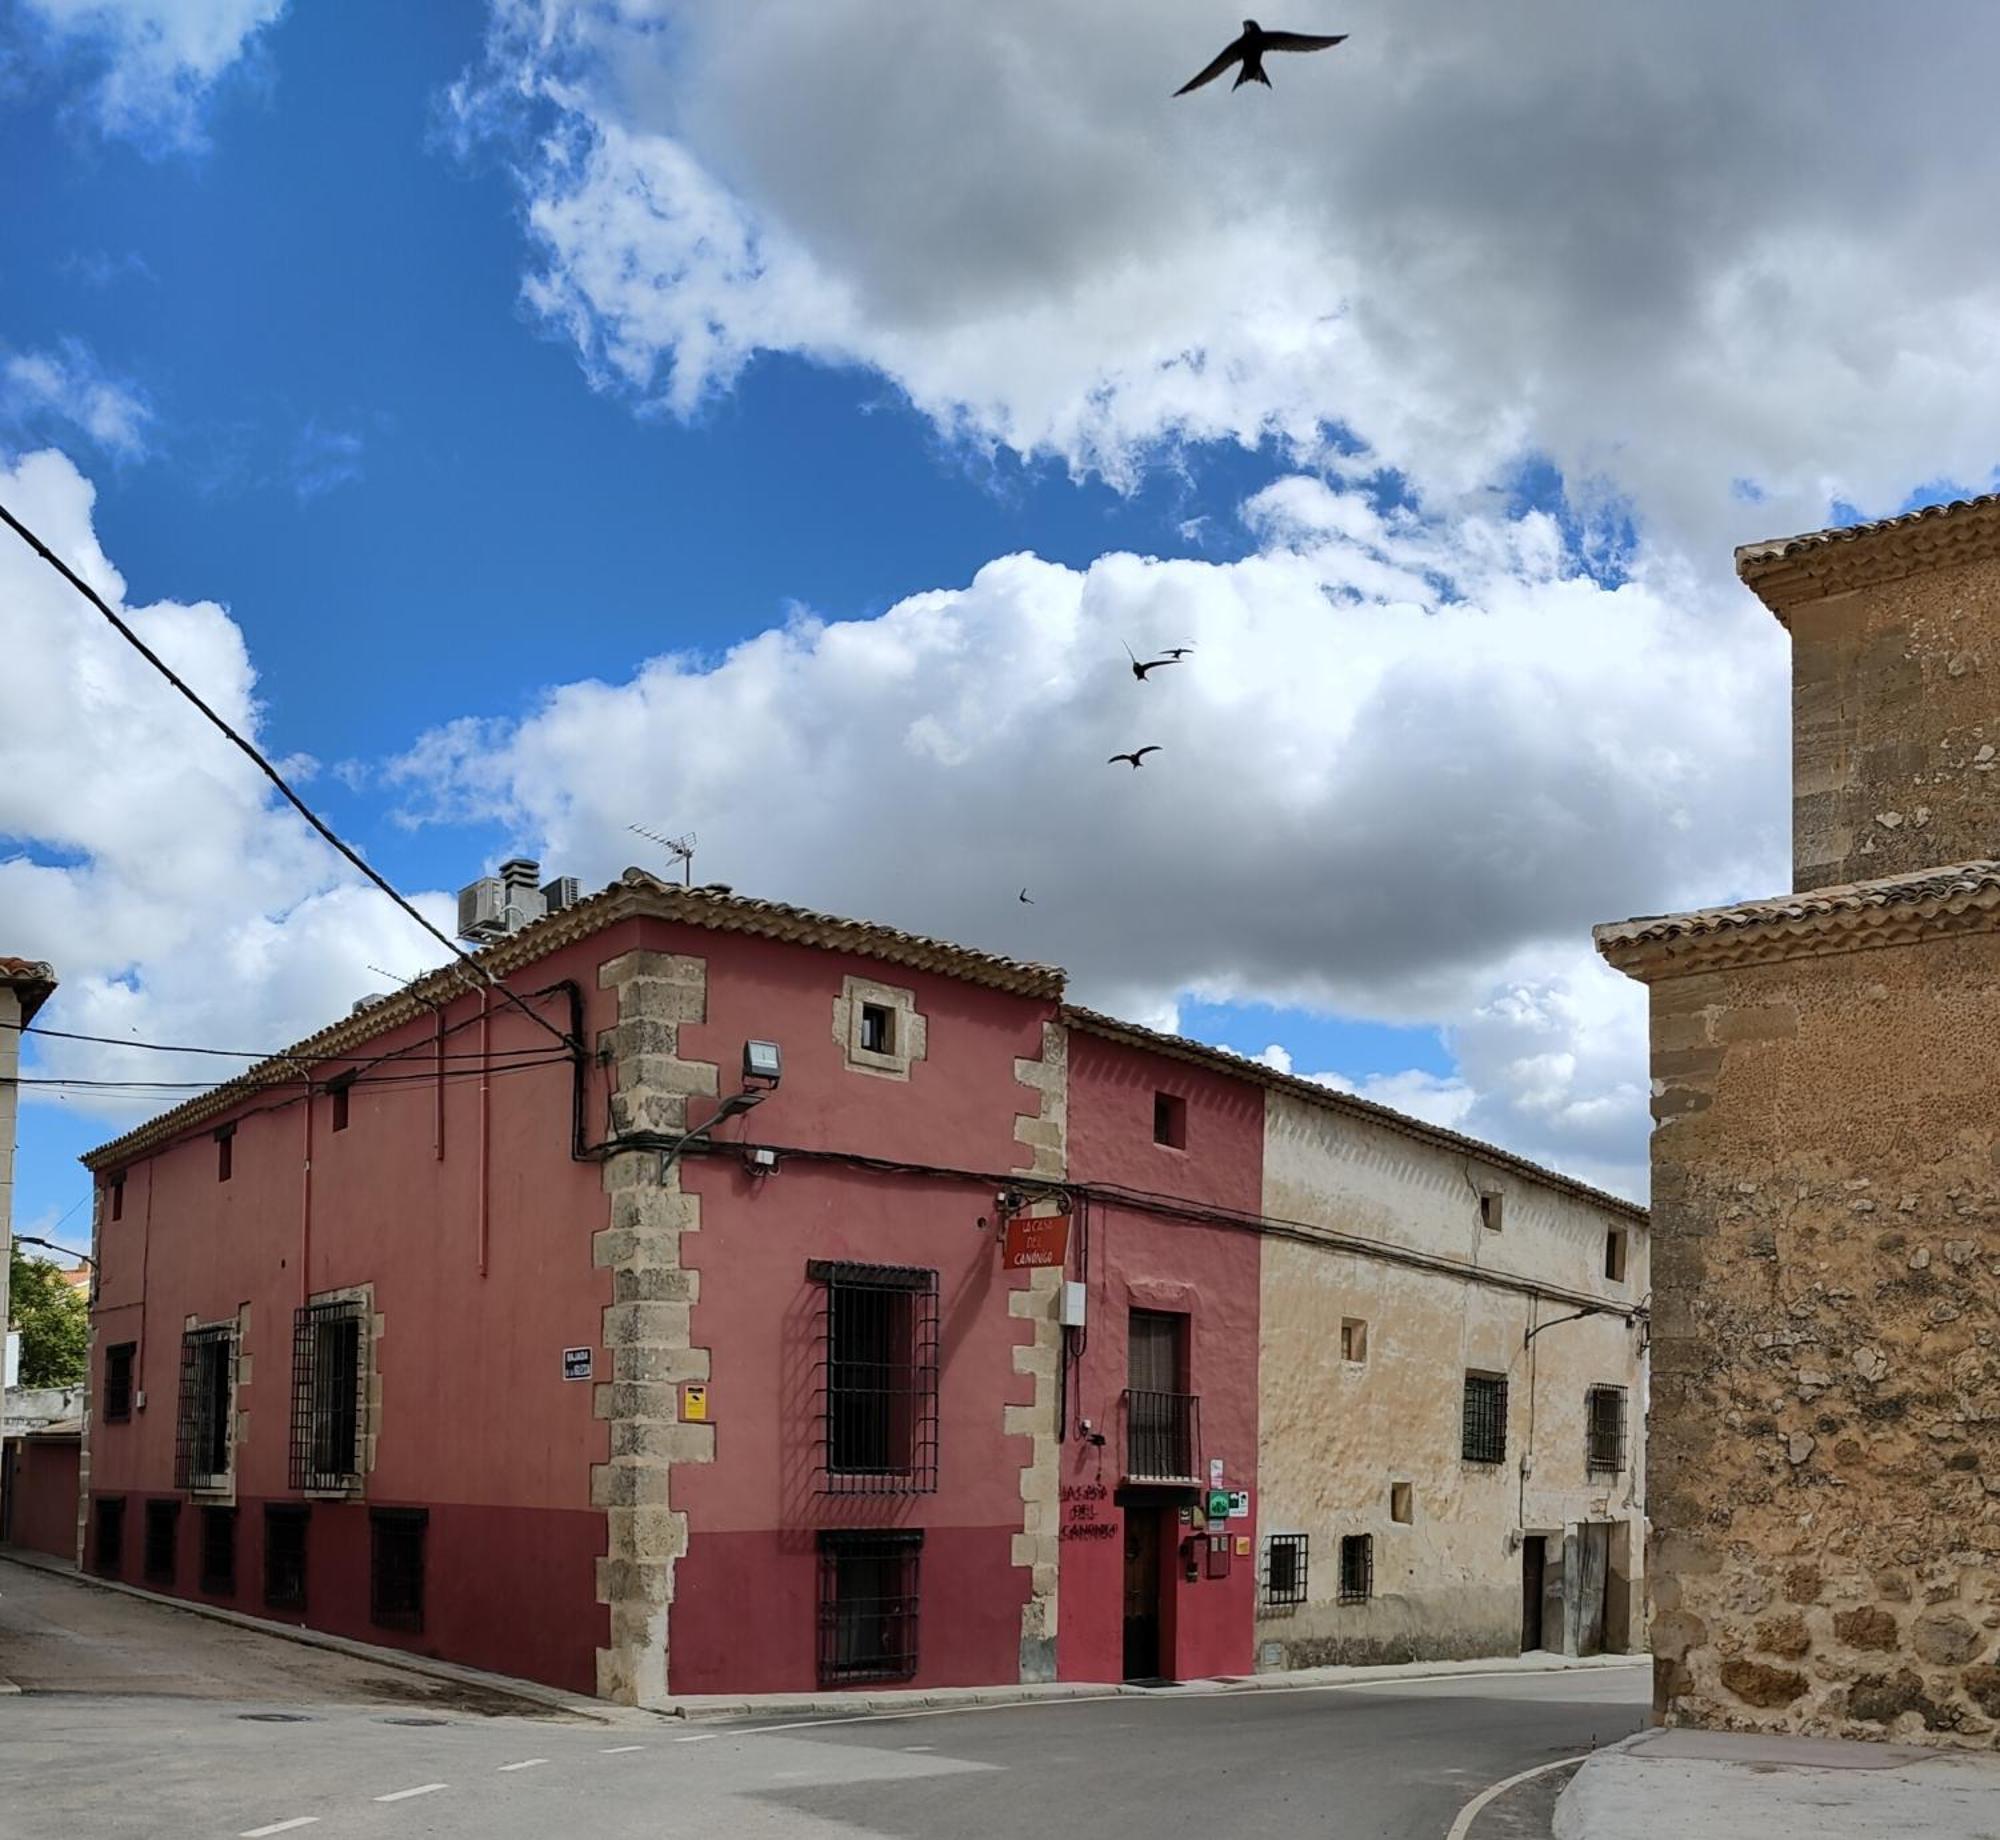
<point x="762" y="1061"/>
<point x="763" y="1065"/>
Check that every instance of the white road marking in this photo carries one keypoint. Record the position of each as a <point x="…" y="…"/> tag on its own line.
<point x="702" y="1737"/>
<point x="1471" y="1811"/>
<point x="526" y="1763"/>
<point x="280" y="1827"/>
<point x="920" y="1747"/>
<point x="403" y="1795"/>
<point x="618" y="1750"/>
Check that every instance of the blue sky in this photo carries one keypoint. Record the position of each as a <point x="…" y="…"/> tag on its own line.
<point x="534" y="421"/>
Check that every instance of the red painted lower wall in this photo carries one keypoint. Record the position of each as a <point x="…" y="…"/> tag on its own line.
<point x="745" y="1612"/>
<point x="41" y="1511"/>
<point x="507" y="1589"/>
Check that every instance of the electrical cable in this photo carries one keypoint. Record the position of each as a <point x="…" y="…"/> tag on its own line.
<point x="240" y="1054"/>
<point x="546" y="1059"/>
<point x="270" y="772"/>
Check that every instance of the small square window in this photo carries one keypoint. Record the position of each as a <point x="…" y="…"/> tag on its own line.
<point x="118" y="1381"/>
<point x="218" y="1551"/>
<point x="1614" y="1255"/>
<point x="225" y="1153"/>
<point x="868" y="1603"/>
<point x="1402" y="1505"/>
<point x="337" y="1092"/>
<point x="1489" y="1211"/>
<point x="878" y="1029"/>
<point x="1357" y="1568"/>
<point x="163" y="1525"/>
<point x="1285" y="1568"/>
<point x="1170" y="1120"/>
<point x="1353" y="1339"/>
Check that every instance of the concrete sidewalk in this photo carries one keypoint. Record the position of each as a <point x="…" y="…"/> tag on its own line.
<point x="1672" y="1785"/>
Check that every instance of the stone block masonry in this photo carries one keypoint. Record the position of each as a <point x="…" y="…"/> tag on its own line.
<point x="647" y="1335"/>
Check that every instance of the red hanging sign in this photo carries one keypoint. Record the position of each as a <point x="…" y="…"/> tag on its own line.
<point x="1035" y="1245"/>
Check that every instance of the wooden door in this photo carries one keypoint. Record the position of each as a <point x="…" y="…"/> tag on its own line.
<point x="1534" y="1556"/>
<point x="1143" y="1528"/>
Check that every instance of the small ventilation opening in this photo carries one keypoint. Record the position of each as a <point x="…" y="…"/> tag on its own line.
<point x="1402" y="1506"/>
<point x="225" y="1153"/>
<point x="1489" y="1211"/>
<point x="1170" y="1120"/>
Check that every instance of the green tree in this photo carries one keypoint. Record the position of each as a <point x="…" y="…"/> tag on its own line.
<point x="53" y="1319"/>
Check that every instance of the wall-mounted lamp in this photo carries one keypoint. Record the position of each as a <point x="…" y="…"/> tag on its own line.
<point x="763" y="1062"/>
<point x="763" y="1066"/>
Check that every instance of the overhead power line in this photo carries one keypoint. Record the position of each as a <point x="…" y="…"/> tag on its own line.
<point x="253" y="1054"/>
<point x="270" y="772"/>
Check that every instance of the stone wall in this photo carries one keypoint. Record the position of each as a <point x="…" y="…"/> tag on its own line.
<point x="1894" y="743"/>
<point x="647" y="1327"/>
<point x="1825" y="1471"/>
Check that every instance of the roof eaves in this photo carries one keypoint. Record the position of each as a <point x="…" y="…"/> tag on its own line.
<point x="33" y="980"/>
<point x="1789" y="572"/>
<point x="1221" y="1060"/>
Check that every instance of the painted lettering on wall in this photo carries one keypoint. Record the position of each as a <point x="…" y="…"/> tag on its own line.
<point x="1083" y="1512"/>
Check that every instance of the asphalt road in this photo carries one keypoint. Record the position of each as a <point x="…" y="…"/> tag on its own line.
<point x="1381" y="1763"/>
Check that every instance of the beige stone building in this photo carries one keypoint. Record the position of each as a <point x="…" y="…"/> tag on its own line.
<point x="1454" y="1399"/>
<point x="1825" y="1469"/>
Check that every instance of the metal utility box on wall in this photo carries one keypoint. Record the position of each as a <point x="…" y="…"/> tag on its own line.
<point x="1074" y="1296"/>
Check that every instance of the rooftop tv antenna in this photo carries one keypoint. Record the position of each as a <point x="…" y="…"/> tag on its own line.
<point x="680" y="849"/>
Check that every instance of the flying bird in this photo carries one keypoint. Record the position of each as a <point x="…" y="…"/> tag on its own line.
<point x="1151" y="664"/>
<point x="1249" y="50"/>
<point x="1025" y="902"/>
<point x="1175" y="653"/>
<point x="1137" y="755"/>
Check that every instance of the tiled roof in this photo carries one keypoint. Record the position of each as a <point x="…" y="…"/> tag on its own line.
<point x="34" y="980"/>
<point x="1787" y="571"/>
<point x="1959" y="889"/>
<point x="635" y="895"/>
<point x="1237" y="1066"/>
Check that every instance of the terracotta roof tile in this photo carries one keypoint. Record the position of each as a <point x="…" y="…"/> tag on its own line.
<point x="32" y="978"/>
<point x="1787" y="571"/>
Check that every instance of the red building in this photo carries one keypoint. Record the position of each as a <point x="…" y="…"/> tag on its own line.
<point x="730" y="1299"/>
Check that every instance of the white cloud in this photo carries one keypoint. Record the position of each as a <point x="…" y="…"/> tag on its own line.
<point x="139" y="852"/>
<point x="158" y="61"/>
<point x="70" y="388"/>
<point x="324" y="459"/>
<point x="1673" y="261"/>
<point x="1379" y="796"/>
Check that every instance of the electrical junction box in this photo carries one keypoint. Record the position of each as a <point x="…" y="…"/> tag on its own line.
<point x="1073" y="1296"/>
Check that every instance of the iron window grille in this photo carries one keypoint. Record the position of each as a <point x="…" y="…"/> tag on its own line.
<point x="1357" y="1568"/>
<point x="329" y="1396"/>
<point x="218" y="1551"/>
<point x="202" y="1441"/>
<point x="162" y="1555"/>
<point x="1285" y="1568"/>
<point x="285" y="1556"/>
<point x="879" y="1353"/>
<point x="1485" y="1419"/>
<point x="1604" y="1437"/>
<point x="868" y="1606"/>
<point x="1162" y="1434"/>
<point x="396" y="1567"/>
<point x="110" y="1536"/>
<point x="118" y="1381"/>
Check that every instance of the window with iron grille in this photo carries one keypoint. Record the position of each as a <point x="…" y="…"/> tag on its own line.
<point x="1485" y="1419"/>
<point x="867" y="1606"/>
<point x="118" y="1381"/>
<point x="285" y="1556"/>
<point x="163" y="1526"/>
<point x="329" y="1395"/>
<point x="1357" y="1568"/>
<point x="1604" y="1437"/>
<point x="1285" y="1568"/>
<point x="879" y="1348"/>
<point x="396" y="1567"/>
<point x="218" y="1551"/>
<point x="110" y="1536"/>
<point x="202" y="1441"/>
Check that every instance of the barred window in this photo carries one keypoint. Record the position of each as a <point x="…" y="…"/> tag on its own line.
<point x="1485" y="1419"/>
<point x="867" y="1606"/>
<point x="118" y="1381"/>
<point x="202" y="1441"/>
<point x="285" y="1556"/>
<point x="1604" y="1437"/>
<point x="162" y="1555"/>
<point x="1285" y="1568"/>
<point x="879" y="1348"/>
<point x="1357" y="1568"/>
<point x="110" y="1536"/>
<point x="218" y="1551"/>
<point x="396" y="1567"/>
<point x="329" y="1395"/>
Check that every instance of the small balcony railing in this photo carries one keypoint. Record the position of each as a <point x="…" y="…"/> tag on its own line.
<point x="1162" y="1436"/>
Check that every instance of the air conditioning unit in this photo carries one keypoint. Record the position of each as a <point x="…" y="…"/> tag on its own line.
<point x="482" y="909"/>
<point x="564" y="891"/>
<point x="368" y="1002"/>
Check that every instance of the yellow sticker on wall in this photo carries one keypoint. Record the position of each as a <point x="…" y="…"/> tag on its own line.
<point x="694" y="1404"/>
